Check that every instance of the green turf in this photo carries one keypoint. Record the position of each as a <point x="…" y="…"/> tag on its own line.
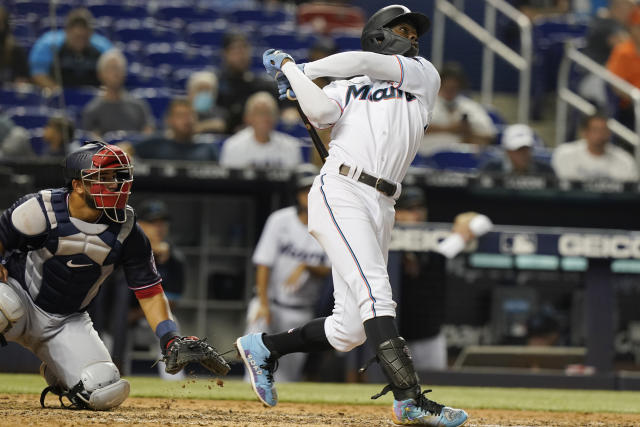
<point x="463" y="397"/>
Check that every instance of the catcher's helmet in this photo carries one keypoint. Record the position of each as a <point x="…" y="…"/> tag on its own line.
<point x="377" y="36"/>
<point x="107" y="172"/>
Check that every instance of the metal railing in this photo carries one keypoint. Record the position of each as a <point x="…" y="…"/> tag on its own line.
<point x="491" y="45"/>
<point x="568" y="97"/>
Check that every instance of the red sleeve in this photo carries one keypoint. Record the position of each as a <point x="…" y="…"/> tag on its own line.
<point x="149" y="291"/>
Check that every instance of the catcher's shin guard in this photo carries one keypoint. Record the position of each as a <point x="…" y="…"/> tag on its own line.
<point x="395" y="360"/>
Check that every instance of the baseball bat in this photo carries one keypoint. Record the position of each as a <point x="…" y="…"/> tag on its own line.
<point x="317" y="142"/>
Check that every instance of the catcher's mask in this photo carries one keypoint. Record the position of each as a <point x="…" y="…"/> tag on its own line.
<point x="106" y="171"/>
<point x="378" y="37"/>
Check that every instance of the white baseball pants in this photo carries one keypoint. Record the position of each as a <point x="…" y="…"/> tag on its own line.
<point x="353" y="223"/>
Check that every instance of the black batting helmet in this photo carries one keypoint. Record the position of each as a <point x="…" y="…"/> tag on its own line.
<point x="377" y="36"/>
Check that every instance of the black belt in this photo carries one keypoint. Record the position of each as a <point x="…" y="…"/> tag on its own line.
<point x="382" y="185"/>
<point x="291" y="306"/>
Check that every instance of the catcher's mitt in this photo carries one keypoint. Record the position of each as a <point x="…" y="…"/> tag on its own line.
<point x="183" y="350"/>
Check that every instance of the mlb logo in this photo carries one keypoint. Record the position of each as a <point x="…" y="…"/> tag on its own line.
<point x="518" y="243"/>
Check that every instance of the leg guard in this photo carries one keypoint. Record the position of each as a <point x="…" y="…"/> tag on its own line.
<point x="99" y="388"/>
<point x="11" y="309"/>
<point x="395" y="360"/>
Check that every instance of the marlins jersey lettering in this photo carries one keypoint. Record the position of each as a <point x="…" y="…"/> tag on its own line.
<point x="61" y="261"/>
<point x="284" y="244"/>
<point x="386" y="120"/>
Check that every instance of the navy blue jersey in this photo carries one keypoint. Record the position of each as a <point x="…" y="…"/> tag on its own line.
<point x="62" y="261"/>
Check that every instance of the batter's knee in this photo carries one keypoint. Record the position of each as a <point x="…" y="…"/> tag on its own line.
<point x="101" y="386"/>
<point x="11" y="309"/>
<point x="344" y="337"/>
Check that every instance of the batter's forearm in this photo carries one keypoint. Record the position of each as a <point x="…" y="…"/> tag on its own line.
<point x="156" y="309"/>
<point x="318" y="107"/>
<point x="348" y="64"/>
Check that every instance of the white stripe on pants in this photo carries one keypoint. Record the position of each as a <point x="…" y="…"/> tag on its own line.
<point x="353" y="223"/>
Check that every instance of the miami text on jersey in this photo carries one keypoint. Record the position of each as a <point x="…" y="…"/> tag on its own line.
<point x="364" y="93"/>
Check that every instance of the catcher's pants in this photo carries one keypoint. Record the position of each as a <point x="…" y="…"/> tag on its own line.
<point x="353" y="223"/>
<point x="66" y="343"/>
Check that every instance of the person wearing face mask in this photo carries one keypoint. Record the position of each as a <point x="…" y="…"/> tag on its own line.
<point x="458" y="122"/>
<point x="202" y="91"/>
<point x="13" y="60"/>
<point x="115" y="109"/>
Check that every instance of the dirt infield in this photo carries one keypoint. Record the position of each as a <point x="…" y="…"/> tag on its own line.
<point x="21" y="410"/>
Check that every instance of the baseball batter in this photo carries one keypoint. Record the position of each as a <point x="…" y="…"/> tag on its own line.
<point x="290" y="271"/>
<point x="377" y="120"/>
<point x="59" y="245"/>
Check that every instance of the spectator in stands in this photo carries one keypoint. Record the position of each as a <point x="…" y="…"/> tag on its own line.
<point x="114" y="109"/>
<point x="259" y="145"/>
<point x="457" y="120"/>
<point x="625" y="62"/>
<point x="202" y="90"/>
<point x="593" y="156"/>
<point x="236" y="80"/>
<point x="177" y="142"/>
<point x="68" y="58"/>
<point x="517" y="141"/>
<point x="58" y="135"/>
<point x="605" y="31"/>
<point x="14" y="140"/>
<point x="13" y="60"/>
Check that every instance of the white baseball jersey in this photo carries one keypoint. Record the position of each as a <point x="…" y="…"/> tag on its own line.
<point x="284" y="244"/>
<point x="243" y="150"/>
<point x="382" y="122"/>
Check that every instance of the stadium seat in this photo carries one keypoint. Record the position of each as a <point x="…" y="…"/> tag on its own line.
<point x="207" y="33"/>
<point x="32" y="117"/>
<point x="146" y="35"/>
<point x="118" y="10"/>
<point x="261" y="16"/>
<point x="346" y="42"/>
<point x="453" y="160"/>
<point x="186" y="12"/>
<point x="21" y="97"/>
<point x="158" y="99"/>
<point x="40" y="8"/>
<point x="175" y="55"/>
<point x="77" y="98"/>
<point x="289" y="41"/>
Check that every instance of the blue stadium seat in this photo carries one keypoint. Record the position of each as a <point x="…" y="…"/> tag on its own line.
<point x="261" y="16"/>
<point x="146" y="35"/>
<point x="118" y="10"/>
<point x="347" y="42"/>
<point x="296" y="130"/>
<point x="176" y="57"/>
<point x="289" y="41"/>
<point x="186" y="12"/>
<point x="20" y="97"/>
<point x="453" y="160"/>
<point x="40" y="8"/>
<point x="32" y="117"/>
<point x="207" y="33"/>
<point x="144" y="80"/>
<point x="158" y="99"/>
<point x="78" y="98"/>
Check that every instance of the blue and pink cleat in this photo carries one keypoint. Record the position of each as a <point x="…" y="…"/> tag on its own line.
<point x="258" y="362"/>
<point x="427" y="413"/>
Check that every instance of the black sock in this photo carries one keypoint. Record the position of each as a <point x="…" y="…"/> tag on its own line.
<point x="379" y="330"/>
<point x="306" y="339"/>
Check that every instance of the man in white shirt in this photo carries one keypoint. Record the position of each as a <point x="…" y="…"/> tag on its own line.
<point x="458" y="123"/>
<point x="291" y="268"/>
<point x="258" y="145"/>
<point x="593" y="156"/>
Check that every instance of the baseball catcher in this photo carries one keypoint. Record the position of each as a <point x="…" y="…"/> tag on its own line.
<point x="59" y="245"/>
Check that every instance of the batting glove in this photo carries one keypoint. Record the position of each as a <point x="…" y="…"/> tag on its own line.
<point x="272" y="60"/>
<point x="284" y="87"/>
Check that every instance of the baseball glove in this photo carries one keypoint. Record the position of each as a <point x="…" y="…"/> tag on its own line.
<point x="183" y="350"/>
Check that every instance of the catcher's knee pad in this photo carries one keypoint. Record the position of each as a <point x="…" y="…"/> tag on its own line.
<point x="395" y="360"/>
<point x="101" y="386"/>
<point x="11" y="309"/>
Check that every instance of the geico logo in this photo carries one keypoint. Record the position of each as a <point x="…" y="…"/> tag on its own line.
<point x="599" y="246"/>
<point x="416" y="240"/>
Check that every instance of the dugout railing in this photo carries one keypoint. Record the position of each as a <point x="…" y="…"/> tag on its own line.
<point x="486" y="35"/>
